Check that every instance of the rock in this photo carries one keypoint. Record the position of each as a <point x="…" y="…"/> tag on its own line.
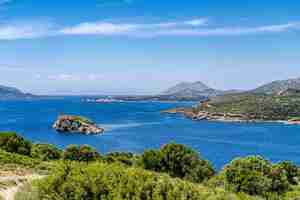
<point x="76" y="124"/>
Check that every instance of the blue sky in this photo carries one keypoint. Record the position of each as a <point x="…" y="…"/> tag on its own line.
<point x="146" y="46"/>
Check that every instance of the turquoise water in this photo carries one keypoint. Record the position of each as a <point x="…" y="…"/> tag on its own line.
<point x="137" y="126"/>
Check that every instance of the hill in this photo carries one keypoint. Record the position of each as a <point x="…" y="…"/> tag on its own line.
<point x="192" y="89"/>
<point x="248" y="106"/>
<point x="284" y="105"/>
<point x="13" y="93"/>
<point x="278" y="86"/>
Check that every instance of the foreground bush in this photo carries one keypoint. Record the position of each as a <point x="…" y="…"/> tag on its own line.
<point x="256" y="176"/>
<point x="45" y="152"/>
<point x="7" y="158"/>
<point x="178" y="161"/>
<point x="115" y="182"/>
<point x="11" y="142"/>
<point x="82" y="153"/>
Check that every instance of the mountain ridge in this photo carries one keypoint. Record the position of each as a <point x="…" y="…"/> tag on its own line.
<point x="7" y="92"/>
<point x="278" y="86"/>
<point x="197" y="88"/>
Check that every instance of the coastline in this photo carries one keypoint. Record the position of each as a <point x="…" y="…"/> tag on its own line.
<point x="221" y="117"/>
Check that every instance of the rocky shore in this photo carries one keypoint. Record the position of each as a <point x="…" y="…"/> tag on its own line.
<point x="76" y="124"/>
<point x="203" y="115"/>
<point x="223" y="117"/>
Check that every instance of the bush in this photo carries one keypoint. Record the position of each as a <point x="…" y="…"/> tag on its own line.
<point x="151" y="160"/>
<point x="81" y="153"/>
<point x="256" y="176"/>
<point x="112" y="181"/>
<point x="11" y="142"/>
<point x="45" y="152"/>
<point x="178" y="161"/>
<point x="121" y="157"/>
<point x="7" y="158"/>
<point x="292" y="171"/>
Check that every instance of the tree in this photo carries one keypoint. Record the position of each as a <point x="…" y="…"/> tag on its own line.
<point x="122" y="157"/>
<point x="71" y="153"/>
<point x="255" y="176"/>
<point x="11" y="142"/>
<point x="81" y="153"/>
<point x="45" y="152"/>
<point x="178" y="161"/>
<point x="87" y="154"/>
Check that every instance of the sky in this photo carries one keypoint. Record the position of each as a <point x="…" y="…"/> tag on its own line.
<point x="146" y="46"/>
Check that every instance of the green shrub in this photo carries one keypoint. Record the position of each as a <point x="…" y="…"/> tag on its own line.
<point x="280" y="183"/>
<point x="256" y="176"/>
<point x="78" y="181"/>
<point x="122" y="157"/>
<point x="292" y="171"/>
<point x="178" y="161"/>
<point x="45" y="152"/>
<point x="81" y="153"/>
<point x="7" y="158"/>
<point x="151" y="160"/>
<point x="11" y="142"/>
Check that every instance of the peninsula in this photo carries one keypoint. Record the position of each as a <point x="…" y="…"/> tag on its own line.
<point x="247" y="107"/>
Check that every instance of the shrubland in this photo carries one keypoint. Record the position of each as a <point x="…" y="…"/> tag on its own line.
<point x="172" y="172"/>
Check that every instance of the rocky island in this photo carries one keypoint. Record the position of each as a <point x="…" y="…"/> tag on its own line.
<point x="76" y="124"/>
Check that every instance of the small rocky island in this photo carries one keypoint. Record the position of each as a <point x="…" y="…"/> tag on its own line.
<point x="76" y="124"/>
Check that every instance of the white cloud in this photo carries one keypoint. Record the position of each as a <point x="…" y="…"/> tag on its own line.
<point x="24" y="30"/>
<point x="69" y="77"/>
<point x="105" y="28"/>
<point x="99" y="28"/>
<point x="230" y="31"/>
<point x="173" y="29"/>
<point x="64" y="77"/>
<point x="194" y="27"/>
<point x="197" y="22"/>
<point x="94" y="77"/>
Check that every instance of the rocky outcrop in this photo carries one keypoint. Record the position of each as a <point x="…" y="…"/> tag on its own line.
<point x="76" y="124"/>
<point x="294" y="121"/>
<point x="203" y="115"/>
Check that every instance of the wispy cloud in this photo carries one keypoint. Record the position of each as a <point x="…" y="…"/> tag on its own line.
<point x="105" y="28"/>
<point x="24" y="30"/>
<point x="69" y="77"/>
<point x="197" y="22"/>
<point x="230" y="31"/>
<point x="186" y="28"/>
<point x="99" y="28"/>
<point x="198" y="27"/>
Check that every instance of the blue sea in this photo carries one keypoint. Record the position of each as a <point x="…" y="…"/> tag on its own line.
<point x="136" y="126"/>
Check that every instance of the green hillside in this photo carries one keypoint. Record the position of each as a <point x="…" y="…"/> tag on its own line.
<point x="281" y="106"/>
<point x="173" y="172"/>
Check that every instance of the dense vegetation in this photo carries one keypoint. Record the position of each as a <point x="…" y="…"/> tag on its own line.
<point x="178" y="161"/>
<point x="282" y="106"/>
<point x="172" y="172"/>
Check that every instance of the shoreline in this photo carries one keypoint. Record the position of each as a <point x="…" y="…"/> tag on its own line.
<point x="221" y="117"/>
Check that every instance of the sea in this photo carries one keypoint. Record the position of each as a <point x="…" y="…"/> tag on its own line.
<point x="137" y="126"/>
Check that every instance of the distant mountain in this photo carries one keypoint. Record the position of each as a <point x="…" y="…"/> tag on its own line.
<point x="196" y="89"/>
<point x="191" y="89"/>
<point x="278" y="86"/>
<point x="13" y="93"/>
